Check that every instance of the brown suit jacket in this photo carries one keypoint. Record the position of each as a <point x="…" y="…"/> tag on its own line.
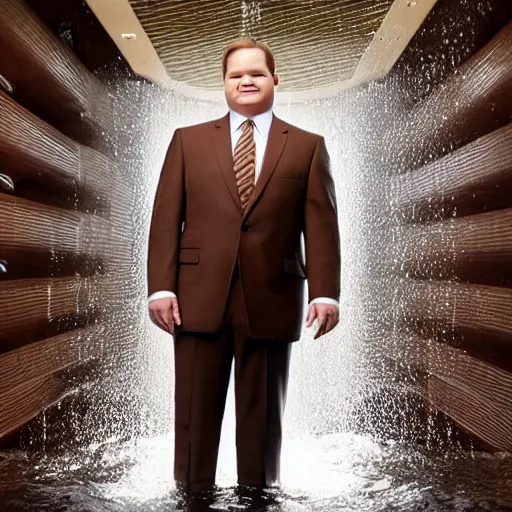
<point x="198" y="229"/>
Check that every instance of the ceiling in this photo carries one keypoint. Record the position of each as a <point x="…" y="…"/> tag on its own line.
<point x="320" y="46"/>
<point x="315" y="43"/>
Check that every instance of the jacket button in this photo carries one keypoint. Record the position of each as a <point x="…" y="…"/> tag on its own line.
<point x="244" y="228"/>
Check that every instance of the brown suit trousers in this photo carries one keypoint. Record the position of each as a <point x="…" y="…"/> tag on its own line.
<point x="203" y="366"/>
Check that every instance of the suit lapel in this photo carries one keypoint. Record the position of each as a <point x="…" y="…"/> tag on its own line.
<point x="275" y="145"/>
<point x="221" y="139"/>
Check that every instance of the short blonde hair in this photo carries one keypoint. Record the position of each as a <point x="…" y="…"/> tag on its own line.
<point x="249" y="43"/>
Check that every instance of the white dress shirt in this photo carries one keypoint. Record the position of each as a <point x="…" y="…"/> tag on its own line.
<point x="262" y="123"/>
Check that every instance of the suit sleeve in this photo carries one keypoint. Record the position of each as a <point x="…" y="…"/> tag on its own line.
<point x="321" y="230"/>
<point x="166" y="221"/>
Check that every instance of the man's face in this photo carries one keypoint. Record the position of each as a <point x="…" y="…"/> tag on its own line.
<point x="248" y="84"/>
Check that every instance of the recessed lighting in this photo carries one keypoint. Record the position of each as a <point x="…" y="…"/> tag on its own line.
<point x="129" y="36"/>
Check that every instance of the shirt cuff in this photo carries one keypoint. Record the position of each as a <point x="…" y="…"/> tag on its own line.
<point x="161" y="295"/>
<point x="325" y="300"/>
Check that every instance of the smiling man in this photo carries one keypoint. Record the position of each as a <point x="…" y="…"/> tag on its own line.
<point x="226" y="272"/>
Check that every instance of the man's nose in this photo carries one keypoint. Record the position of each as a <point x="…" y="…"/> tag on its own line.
<point x="246" y="80"/>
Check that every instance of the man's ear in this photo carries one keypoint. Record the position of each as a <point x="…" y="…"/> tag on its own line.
<point x="276" y="80"/>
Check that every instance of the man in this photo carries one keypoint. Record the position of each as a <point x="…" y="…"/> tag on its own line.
<point x="226" y="271"/>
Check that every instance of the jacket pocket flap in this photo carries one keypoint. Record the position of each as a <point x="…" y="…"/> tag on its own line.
<point x="189" y="256"/>
<point x="294" y="267"/>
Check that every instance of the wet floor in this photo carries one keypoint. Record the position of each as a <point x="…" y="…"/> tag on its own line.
<point x="334" y="472"/>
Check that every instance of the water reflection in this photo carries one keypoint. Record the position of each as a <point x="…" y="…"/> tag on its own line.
<point x="333" y="472"/>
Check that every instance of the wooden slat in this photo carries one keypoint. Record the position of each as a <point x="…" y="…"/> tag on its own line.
<point x="50" y="355"/>
<point x="481" y="417"/>
<point x="476" y="249"/>
<point x="474" y="178"/>
<point x="482" y="308"/>
<point x="472" y="103"/>
<point x="48" y="79"/>
<point x="25" y="401"/>
<point x="34" y="309"/>
<point x="21" y="263"/>
<point x="21" y="404"/>
<point x="42" y="241"/>
<point x="29" y="225"/>
<point x="455" y="367"/>
<point x="475" y="394"/>
<point x="476" y="318"/>
<point x="46" y="165"/>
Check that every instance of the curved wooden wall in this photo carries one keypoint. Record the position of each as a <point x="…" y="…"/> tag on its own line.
<point x="450" y="223"/>
<point x="65" y="227"/>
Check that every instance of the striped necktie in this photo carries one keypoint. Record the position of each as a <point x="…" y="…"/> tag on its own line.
<point x="244" y="160"/>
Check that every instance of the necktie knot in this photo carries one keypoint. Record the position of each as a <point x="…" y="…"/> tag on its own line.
<point x="248" y="124"/>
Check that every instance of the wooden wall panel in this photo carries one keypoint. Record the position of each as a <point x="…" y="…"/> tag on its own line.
<point x="25" y="401"/>
<point x="46" y="165"/>
<point x="475" y="318"/>
<point x="41" y="263"/>
<point x="52" y="83"/>
<point x="471" y="103"/>
<point x="475" y="178"/>
<point x="50" y="356"/>
<point x="36" y="226"/>
<point x="20" y="404"/>
<point x="91" y="44"/>
<point x="34" y="309"/>
<point x="65" y="217"/>
<point x="479" y="416"/>
<point x="438" y="49"/>
<point x="44" y="241"/>
<point x="442" y="257"/>
<point x="486" y="309"/>
<point x="474" y="249"/>
<point x="476" y="394"/>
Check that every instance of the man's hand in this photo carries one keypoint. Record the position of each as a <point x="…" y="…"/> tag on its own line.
<point x="165" y="313"/>
<point x="327" y="315"/>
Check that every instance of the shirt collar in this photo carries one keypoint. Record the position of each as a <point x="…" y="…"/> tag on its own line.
<point x="261" y="121"/>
